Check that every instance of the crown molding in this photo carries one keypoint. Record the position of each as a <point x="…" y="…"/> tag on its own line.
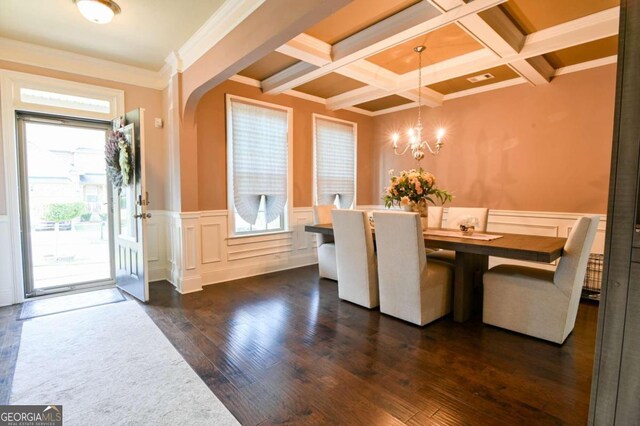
<point x="172" y="66"/>
<point x="486" y="88"/>
<point x="587" y="65"/>
<point x="62" y="60"/>
<point x="223" y="20"/>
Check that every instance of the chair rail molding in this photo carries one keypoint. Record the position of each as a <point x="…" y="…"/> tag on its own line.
<point x="195" y="250"/>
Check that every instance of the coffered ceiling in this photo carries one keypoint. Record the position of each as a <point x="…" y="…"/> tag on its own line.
<point x="362" y="57"/>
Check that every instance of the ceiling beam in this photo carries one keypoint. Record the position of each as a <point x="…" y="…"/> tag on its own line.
<point x="440" y="71"/>
<point x="430" y="97"/>
<point x="593" y="27"/>
<point x="308" y="49"/>
<point x="318" y="53"/>
<point x="370" y="73"/>
<point x="419" y="19"/>
<point x="536" y="70"/>
<point x="497" y="32"/>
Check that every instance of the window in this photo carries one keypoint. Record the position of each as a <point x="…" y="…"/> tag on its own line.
<point x="258" y="166"/>
<point x="334" y="161"/>
<point x="41" y="97"/>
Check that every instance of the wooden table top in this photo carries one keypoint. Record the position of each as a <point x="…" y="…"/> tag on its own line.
<point x="512" y="246"/>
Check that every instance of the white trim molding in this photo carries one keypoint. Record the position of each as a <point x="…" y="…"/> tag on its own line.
<point x="223" y="20"/>
<point x="62" y="60"/>
<point x="11" y="84"/>
<point x="199" y="251"/>
<point x="219" y="258"/>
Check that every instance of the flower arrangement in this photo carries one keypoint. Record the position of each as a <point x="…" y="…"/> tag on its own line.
<point x="118" y="157"/>
<point x="414" y="188"/>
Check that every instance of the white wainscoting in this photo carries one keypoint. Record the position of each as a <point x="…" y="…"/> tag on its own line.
<point x="191" y="250"/>
<point x="7" y="287"/>
<point x="550" y="224"/>
<point x="158" y="233"/>
<point x="539" y="223"/>
<point x="198" y="250"/>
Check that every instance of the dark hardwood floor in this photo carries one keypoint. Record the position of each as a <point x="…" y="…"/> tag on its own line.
<point x="281" y="348"/>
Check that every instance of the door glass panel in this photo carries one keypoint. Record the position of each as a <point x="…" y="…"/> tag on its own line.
<point x="67" y="199"/>
<point x="127" y="199"/>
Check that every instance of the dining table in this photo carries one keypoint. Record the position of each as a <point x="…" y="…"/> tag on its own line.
<point x="472" y="257"/>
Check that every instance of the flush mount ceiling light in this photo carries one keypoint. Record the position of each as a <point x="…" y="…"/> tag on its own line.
<point x="98" y="11"/>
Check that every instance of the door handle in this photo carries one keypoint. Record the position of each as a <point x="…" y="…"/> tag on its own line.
<point x="142" y="216"/>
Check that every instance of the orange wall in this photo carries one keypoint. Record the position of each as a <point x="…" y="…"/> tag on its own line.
<point x="539" y="148"/>
<point x="135" y="96"/>
<point x="211" y="155"/>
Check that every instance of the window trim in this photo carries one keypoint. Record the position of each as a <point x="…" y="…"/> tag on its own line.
<point x="314" y="183"/>
<point x="288" y="211"/>
<point x="20" y="81"/>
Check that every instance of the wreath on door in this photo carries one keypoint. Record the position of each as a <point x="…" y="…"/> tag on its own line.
<point x="118" y="157"/>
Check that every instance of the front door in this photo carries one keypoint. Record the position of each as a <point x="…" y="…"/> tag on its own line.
<point x="65" y="209"/>
<point x="130" y="202"/>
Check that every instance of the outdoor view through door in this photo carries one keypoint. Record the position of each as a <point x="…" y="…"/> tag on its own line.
<point x="65" y="203"/>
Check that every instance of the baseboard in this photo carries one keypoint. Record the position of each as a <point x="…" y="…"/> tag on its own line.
<point x="159" y="274"/>
<point x="245" y="271"/>
<point x="190" y="285"/>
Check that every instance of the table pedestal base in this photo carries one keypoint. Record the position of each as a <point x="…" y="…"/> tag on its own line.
<point x="467" y="278"/>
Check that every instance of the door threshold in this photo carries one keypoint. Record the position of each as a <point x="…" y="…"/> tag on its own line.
<point x="61" y="291"/>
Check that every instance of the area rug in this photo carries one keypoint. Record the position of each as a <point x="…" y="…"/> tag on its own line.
<point x="71" y="302"/>
<point x="111" y="365"/>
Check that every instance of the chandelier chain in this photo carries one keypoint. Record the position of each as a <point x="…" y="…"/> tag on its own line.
<point x="420" y="94"/>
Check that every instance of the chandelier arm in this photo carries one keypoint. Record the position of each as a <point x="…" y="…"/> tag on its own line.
<point x="404" y="151"/>
<point x="431" y="150"/>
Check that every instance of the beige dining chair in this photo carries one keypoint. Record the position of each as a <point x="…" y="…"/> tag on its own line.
<point x="538" y="302"/>
<point x="326" y="248"/>
<point x="355" y="258"/>
<point x="455" y="217"/>
<point x="434" y="217"/>
<point x="411" y="288"/>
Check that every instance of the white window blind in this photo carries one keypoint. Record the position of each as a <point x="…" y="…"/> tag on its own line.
<point x="335" y="162"/>
<point x="260" y="158"/>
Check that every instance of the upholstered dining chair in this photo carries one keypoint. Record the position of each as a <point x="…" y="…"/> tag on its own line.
<point x="326" y="247"/>
<point x="434" y="217"/>
<point x="538" y="302"/>
<point x="455" y="217"/>
<point x="355" y="258"/>
<point x="411" y="288"/>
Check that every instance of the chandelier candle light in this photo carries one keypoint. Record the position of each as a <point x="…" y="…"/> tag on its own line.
<point x="415" y="142"/>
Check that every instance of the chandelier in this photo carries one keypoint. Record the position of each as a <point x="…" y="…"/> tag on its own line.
<point x="414" y="140"/>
